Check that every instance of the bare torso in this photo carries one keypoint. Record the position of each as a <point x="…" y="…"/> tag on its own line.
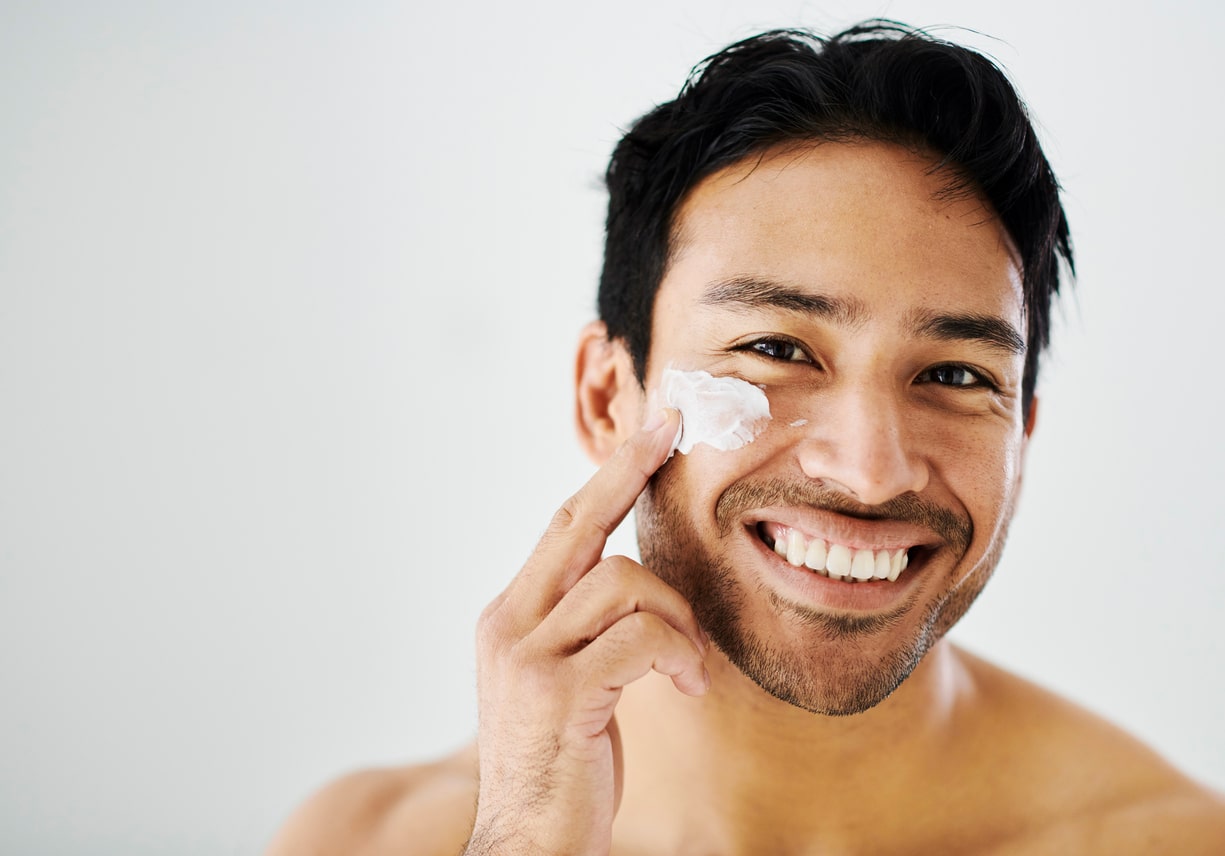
<point x="1024" y="773"/>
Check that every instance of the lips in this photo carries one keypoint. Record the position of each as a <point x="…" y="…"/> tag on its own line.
<point x="835" y="560"/>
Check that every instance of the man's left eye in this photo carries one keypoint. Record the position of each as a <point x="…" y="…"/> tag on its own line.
<point x="952" y="376"/>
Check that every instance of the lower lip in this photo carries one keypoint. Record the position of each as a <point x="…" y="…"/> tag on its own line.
<point x="806" y="586"/>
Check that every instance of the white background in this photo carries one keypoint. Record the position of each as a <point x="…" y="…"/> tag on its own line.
<point x="288" y="295"/>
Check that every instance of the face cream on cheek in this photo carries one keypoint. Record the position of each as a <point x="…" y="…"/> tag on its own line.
<point x="725" y="413"/>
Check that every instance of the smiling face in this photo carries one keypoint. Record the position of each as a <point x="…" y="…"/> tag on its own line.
<point x="883" y="317"/>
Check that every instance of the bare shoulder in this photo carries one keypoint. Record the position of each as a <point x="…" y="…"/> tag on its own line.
<point x="423" y="809"/>
<point x="1084" y="785"/>
<point x="1189" y="821"/>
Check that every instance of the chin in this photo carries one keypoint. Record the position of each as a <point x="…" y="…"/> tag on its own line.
<point x="834" y="665"/>
<point x="828" y="662"/>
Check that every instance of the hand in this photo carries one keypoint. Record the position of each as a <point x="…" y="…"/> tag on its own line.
<point x="555" y="650"/>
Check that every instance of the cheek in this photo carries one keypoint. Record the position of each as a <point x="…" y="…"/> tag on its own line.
<point x="974" y="460"/>
<point x="705" y="473"/>
<point x="796" y="414"/>
<point x="723" y="413"/>
<point x="695" y="482"/>
<point x="981" y="471"/>
<point x="705" y="470"/>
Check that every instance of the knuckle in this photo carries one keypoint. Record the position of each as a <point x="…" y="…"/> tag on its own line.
<point x="608" y="573"/>
<point x="611" y="590"/>
<point x="489" y="614"/>
<point x="523" y="660"/>
<point x="493" y="627"/>
<point x="620" y="566"/>
<point x="565" y="518"/>
<point x="623" y="574"/>
<point x="641" y="627"/>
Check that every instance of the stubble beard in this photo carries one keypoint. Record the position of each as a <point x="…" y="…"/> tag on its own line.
<point x="835" y="664"/>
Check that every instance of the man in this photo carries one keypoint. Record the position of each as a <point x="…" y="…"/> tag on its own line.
<point x="865" y="230"/>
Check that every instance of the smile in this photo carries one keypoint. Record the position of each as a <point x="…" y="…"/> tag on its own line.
<point x="832" y="560"/>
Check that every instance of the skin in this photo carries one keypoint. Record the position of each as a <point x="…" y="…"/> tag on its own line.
<point x="915" y="436"/>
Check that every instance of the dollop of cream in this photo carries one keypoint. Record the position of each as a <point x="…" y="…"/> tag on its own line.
<point x="725" y="413"/>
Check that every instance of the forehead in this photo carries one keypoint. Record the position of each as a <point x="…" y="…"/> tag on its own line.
<point x="869" y="222"/>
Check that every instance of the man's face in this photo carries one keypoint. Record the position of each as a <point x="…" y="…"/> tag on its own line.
<point x="883" y="317"/>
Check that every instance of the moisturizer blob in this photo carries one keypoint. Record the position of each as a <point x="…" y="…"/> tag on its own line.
<point x="725" y="413"/>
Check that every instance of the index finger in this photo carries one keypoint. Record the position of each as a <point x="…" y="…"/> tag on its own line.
<point x="574" y="541"/>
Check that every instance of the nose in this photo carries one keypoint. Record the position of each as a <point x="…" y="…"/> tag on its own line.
<point x="860" y="443"/>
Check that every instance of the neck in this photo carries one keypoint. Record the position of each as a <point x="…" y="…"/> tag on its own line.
<point x="733" y="765"/>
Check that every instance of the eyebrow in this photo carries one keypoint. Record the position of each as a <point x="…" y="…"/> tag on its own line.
<point x="989" y="330"/>
<point x="757" y="293"/>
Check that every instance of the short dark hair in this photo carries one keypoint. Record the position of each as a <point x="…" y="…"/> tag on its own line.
<point x="879" y="80"/>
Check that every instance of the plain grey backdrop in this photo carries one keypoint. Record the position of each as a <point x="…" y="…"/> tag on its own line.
<point x="288" y="299"/>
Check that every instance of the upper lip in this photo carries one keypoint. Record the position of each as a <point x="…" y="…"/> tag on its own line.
<point x="856" y="533"/>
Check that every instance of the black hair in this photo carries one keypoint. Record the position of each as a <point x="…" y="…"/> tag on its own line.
<point x="879" y="80"/>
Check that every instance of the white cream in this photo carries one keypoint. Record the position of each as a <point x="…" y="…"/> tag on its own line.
<point x="725" y="413"/>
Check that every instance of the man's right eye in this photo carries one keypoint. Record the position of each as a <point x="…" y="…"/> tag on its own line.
<point x="779" y="349"/>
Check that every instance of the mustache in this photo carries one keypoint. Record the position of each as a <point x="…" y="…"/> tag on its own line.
<point x="955" y="529"/>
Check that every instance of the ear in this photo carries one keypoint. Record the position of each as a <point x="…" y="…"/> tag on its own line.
<point x="608" y="396"/>
<point x="1032" y="419"/>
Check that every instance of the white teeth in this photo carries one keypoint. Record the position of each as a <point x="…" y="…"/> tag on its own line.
<point x="863" y="564"/>
<point x="895" y="564"/>
<point x="780" y="547"/>
<point x="881" y="571"/>
<point x="796" y="548"/>
<point x="815" y="557"/>
<point x="839" y="561"/>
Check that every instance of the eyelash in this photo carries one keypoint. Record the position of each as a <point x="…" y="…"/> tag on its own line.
<point x="754" y="347"/>
<point x="980" y="380"/>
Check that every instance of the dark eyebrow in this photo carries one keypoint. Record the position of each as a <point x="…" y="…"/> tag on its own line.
<point x="987" y="330"/>
<point x="755" y="293"/>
